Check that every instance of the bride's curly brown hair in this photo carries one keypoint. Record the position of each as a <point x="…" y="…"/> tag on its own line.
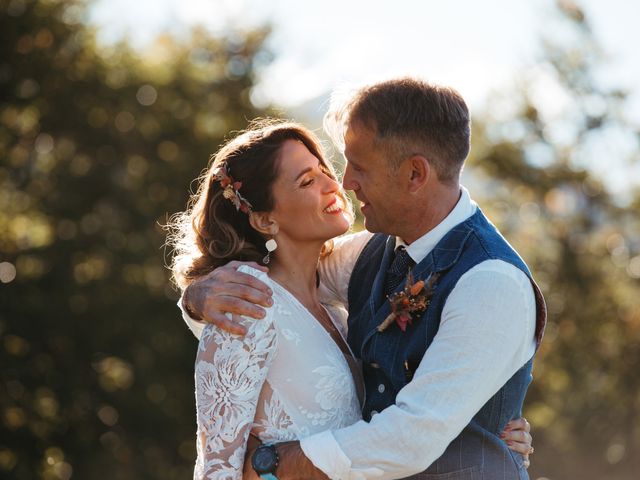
<point x="212" y="232"/>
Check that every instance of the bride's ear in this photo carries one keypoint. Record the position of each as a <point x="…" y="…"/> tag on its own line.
<point x="263" y="223"/>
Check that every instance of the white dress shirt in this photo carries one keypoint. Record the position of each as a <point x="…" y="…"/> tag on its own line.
<point x="486" y="334"/>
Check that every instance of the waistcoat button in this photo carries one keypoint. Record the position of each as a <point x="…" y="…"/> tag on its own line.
<point x="381" y="388"/>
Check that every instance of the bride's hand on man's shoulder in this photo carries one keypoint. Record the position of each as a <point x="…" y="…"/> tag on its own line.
<point x="226" y="289"/>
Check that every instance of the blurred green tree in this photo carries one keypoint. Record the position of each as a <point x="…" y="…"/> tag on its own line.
<point x="580" y="236"/>
<point x="97" y="146"/>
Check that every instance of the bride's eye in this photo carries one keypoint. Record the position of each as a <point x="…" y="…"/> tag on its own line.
<point x="306" y="183"/>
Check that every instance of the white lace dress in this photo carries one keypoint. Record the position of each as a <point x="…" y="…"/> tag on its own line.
<point x="286" y="379"/>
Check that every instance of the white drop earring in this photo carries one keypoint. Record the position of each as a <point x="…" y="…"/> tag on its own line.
<point x="271" y="246"/>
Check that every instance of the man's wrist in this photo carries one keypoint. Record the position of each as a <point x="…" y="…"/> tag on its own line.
<point x="294" y="464"/>
<point x="188" y="307"/>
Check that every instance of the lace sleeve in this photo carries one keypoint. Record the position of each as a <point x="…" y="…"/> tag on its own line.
<point x="229" y="374"/>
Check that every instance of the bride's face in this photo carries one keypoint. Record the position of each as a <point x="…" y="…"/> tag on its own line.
<point x="307" y="205"/>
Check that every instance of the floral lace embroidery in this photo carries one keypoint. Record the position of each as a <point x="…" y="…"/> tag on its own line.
<point x="277" y="426"/>
<point x="229" y="374"/>
<point x="334" y="389"/>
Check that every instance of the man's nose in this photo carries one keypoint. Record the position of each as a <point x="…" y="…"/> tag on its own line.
<point x="348" y="182"/>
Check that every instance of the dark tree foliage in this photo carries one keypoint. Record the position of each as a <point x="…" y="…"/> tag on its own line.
<point x="97" y="148"/>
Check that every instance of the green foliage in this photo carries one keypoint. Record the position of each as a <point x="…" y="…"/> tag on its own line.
<point x="581" y="241"/>
<point x="97" y="147"/>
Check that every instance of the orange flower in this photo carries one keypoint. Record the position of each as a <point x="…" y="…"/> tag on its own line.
<point x="416" y="287"/>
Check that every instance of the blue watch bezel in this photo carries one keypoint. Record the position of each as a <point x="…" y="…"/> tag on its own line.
<point x="266" y="473"/>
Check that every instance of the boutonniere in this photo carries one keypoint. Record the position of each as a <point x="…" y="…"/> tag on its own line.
<point x="413" y="299"/>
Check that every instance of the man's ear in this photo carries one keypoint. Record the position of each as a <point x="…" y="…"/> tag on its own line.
<point x="419" y="172"/>
<point x="263" y="223"/>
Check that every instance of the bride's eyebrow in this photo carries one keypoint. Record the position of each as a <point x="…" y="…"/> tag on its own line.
<point x="307" y="170"/>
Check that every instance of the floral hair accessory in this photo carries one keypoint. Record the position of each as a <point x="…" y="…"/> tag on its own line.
<point x="414" y="298"/>
<point x="230" y="189"/>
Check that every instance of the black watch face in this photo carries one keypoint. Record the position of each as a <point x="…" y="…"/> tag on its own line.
<point x="264" y="460"/>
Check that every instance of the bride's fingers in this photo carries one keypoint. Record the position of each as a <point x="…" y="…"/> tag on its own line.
<point x="519" y="436"/>
<point x="519" y="424"/>
<point x="522" y="448"/>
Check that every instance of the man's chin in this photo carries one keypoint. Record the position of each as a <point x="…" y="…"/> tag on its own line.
<point x="371" y="226"/>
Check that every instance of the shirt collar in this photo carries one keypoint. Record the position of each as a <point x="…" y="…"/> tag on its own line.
<point x="420" y="248"/>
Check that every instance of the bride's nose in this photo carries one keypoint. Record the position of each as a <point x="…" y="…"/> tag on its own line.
<point x="331" y="185"/>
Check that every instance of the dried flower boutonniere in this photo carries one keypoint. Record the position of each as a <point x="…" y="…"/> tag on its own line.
<point x="414" y="298"/>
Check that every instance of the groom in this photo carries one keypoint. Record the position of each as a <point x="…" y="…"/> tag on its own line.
<point x="439" y="391"/>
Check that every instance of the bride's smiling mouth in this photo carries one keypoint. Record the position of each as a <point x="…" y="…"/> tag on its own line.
<point x="334" y="207"/>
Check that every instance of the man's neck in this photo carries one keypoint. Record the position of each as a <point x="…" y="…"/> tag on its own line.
<point x="439" y="206"/>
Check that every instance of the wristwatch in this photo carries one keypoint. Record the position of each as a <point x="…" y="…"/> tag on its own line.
<point x="264" y="461"/>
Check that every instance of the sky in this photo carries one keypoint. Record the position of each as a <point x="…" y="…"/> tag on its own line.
<point x="475" y="46"/>
<point x="478" y="47"/>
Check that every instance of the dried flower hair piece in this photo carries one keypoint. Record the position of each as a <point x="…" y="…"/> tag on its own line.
<point x="230" y="189"/>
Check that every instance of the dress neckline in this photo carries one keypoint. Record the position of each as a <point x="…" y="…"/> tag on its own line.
<point x="331" y="319"/>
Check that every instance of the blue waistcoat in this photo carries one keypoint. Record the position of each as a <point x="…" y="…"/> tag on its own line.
<point x="391" y="357"/>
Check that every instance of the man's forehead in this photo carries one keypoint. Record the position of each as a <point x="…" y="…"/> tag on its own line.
<point x="356" y="133"/>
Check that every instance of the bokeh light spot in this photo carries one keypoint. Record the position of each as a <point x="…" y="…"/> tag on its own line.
<point x="44" y="143"/>
<point x="168" y="151"/>
<point x="14" y="418"/>
<point x="156" y="392"/>
<point x="15" y="345"/>
<point x="7" y="272"/>
<point x="615" y="453"/>
<point x="114" y="374"/>
<point x="108" y="415"/>
<point x="125" y="122"/>
<point x="147" y="95"/>
<point x="634" y="267"/>
<point x="8" y="459"/>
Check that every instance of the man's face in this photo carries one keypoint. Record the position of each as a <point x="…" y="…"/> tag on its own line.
<point x="376" y="186"/>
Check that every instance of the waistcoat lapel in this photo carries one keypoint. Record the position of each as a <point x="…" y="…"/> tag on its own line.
<point x="377" y="290"/>
<point x="441" y="258"/>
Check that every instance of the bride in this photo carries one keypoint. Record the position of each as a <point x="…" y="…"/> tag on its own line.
<point x="269" y="197"/>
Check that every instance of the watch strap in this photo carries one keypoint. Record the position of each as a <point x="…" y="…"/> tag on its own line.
<point x="268" y="476"/>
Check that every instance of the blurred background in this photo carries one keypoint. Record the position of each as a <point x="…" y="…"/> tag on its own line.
<point x="109" y="110"/>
